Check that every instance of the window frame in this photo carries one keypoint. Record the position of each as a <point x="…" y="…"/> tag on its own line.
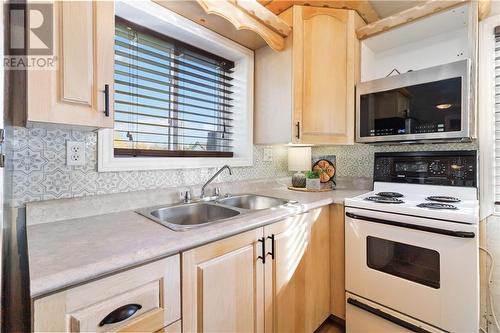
<point x="164" y="21"/>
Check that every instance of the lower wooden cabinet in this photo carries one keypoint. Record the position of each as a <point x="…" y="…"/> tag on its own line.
<point x="223" y="285"/>
<point x="337" y="248"/>
<point x="143" y="299"/>
<point x="297" y="281"/>
<point x="246" y="283"/>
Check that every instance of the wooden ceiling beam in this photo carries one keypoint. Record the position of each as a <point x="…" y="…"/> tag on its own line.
<point x="362" y="7"/>
<point x="250" y="15"/>
<point x="428" y="8"/>
<point x="263" y="15"/>
<point x="484" y="8"/>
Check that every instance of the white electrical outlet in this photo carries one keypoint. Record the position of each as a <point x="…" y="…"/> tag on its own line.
<point x="268" y="155"/>
<point x="75" y="153"/>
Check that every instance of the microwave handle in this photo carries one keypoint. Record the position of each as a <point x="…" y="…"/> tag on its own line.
<point x="460" y="234"/>
<point x="386" y="316"/>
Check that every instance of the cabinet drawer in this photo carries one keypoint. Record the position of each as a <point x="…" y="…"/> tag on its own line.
<point x="121" y="310"/>
<point x="143" y="299"/>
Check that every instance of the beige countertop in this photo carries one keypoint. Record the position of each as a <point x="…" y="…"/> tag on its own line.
<point x="68" y="252"/>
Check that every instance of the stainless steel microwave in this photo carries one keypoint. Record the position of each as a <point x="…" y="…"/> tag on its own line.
<point x="432" y="104"/>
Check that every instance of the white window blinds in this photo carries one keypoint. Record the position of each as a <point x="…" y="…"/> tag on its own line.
<point x="171" y="99"/>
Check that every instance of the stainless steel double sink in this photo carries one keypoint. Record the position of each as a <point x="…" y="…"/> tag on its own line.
<point x="180" y="217"/>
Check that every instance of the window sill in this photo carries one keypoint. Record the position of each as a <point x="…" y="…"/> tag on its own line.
<point x="106" y="161"/>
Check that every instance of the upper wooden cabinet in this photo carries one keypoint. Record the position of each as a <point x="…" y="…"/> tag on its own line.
<point x="308" y="89"/>
<point x="73" y="93"/>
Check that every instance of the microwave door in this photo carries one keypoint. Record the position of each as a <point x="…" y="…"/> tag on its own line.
<point x="426" y="104"/>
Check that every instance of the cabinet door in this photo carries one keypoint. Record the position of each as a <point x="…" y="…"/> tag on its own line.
<point x="222" y="285"/>
<point x="326" y="69"/>
<point x="73" y="92"/>
<point x="298" y="279"/>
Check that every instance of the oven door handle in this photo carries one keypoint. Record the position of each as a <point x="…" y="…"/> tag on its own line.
<point x="386" y="316"/>
<point x="460" y="234"/>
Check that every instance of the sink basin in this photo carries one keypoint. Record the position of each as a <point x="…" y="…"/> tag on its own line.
<point x="187" y="216"/>
<point x="252" y="201"/>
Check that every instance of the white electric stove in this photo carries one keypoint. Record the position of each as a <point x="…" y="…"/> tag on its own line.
<point x="412" y="249"/>
<point x="448" y="203"/>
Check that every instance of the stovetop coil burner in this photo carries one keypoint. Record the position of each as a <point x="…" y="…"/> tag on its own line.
<point x="436" y="205"/>
<point x="441" y="198"/>
<point x="390" y="194"/>
<point x="381" y="199"/>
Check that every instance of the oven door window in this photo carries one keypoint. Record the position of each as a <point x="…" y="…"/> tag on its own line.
<point x="406" y="261"/>
<point x="432" y="107"/>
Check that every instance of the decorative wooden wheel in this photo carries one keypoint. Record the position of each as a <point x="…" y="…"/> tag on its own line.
<point x="326" y="170"/>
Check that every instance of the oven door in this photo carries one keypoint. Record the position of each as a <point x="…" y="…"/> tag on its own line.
<point x="424" y="268"/>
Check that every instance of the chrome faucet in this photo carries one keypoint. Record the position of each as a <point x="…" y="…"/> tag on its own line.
<point x="202" y="195"/>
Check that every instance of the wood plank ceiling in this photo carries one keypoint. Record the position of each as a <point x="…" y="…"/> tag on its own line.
<point x="364" y="8"/>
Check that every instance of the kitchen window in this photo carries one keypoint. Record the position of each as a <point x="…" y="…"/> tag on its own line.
<point x="183" y="95"/>
<point x="171" y="99"/>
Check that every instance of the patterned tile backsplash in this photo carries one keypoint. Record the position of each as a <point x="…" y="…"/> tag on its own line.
<point x="40" y="172"/>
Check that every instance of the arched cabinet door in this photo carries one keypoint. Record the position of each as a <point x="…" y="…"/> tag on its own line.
<point x="325" y="69"/>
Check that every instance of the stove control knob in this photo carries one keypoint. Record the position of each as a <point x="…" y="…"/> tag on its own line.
<point x="437" y="168"/>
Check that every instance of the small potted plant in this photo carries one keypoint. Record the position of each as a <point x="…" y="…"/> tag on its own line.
<point x="312" y="180"/>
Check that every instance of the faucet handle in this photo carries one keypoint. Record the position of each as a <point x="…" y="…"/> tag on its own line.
<point x="186" y="196"/>
<point x="217" y="192"/>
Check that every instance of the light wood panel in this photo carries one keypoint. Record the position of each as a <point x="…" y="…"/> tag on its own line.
<point x="251" y="18"/>
<point x="418" y="12"/>
<point x="337" y="254"/>
<point x="297" y="284"/>
<point x="363" y="8"/>
<point x="484" y="8"/>
<point x="222" y="285"/>
<point x="156" y="287"/>
<point x="72" y="92"/>
<point x="325" y="70"/>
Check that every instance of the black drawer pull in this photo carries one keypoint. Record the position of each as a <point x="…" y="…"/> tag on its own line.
<point x="298" y="130"/>
<point x="106" y="100"/>
<point x="272" y="246"/>
<point x="120" y="314"/>
<point x="263" y="256"/>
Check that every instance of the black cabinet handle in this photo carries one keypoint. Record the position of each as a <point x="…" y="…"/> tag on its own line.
<point x="272" y="246"/>
<point x="460" y="234"/>
<point x="386" y="316"/>
<point x="106" y="100"/>
<point x="298" y="130"/>
<point x="120" y="314"/>
<point x="263" y="256"/>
